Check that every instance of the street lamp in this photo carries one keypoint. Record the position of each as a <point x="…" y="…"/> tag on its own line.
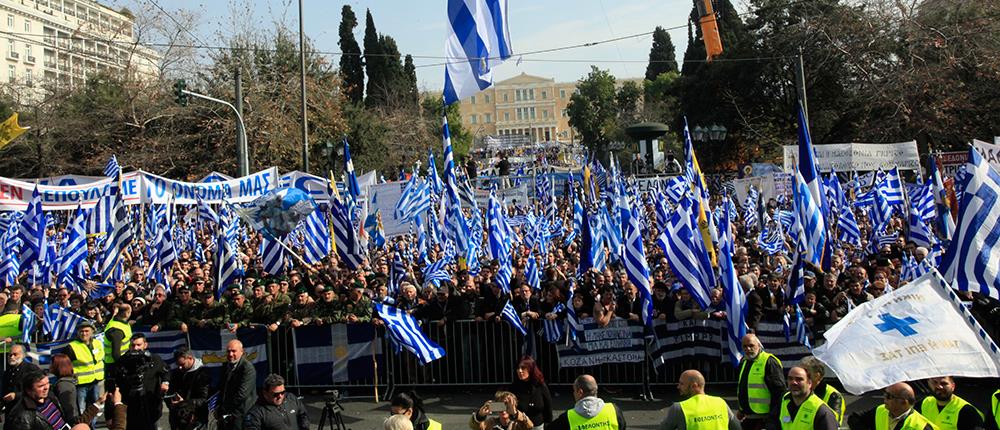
<point x="327" y="152"/>
<point x="712" y="133"/>
<point x="717" y="132"/>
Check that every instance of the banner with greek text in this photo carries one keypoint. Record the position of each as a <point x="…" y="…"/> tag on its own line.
<point x="863" y="157"/>
<point x="989" y="151"/>
<point x="621" y="341"/>
<point x="80" y="190"/>
<point x="917" y="331"/>
<point x="701" y="339"/>
<point x="158" y="189"/>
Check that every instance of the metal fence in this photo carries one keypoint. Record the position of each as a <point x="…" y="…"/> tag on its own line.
<point x="479" y="353"/>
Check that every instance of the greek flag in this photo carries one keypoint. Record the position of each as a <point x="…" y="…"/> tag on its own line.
<point x="74" y="251"/>
<point x="28" y="322"/>
<point x="272" y="255"/>
<point x="499" y="241"/>
<point x="920" y="233"/>
<point x="810" y="219"/>
<point x="227" y="264"/>
<point x="353" y="190"/>
<point x="59" y="323"/>
<point x="510" y="315"/>
<point x="344" y="235"/>
<point x="532" y="275"/>
<point x="598" y="239"/>
<point x="478" y="40"/>
<point x="120" y="237"/>
<point x="418" y="223"/>
<point x="923" y="202"/>
<point x="397" y="273"/>
<point x="436" y="272"/>
<point x="687" y="260"/>
<point x="32" y="232"/>
<point x="945" y="224"/>
<point x="553" y="329"/>
<point x="432" y="175"/>
<point x="847" y="228"/>
<point x="454" y="223"/>
<point x="11" y="266"/>
<point x="612" y="233"/>
<point x="892" y="186"/>
<point x="676" y="187"/>
<point x="735" y="298"/>
<point x="636" y="266"/>
<point x="801" y="331"/>
<point x="317" y="237"/>
<point x="112" y="169"/>
<point x="405" y="332"/>
<point x="880" y="209"/>
<point x="972" y="261"/>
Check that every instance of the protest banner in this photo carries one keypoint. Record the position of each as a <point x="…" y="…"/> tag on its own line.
<point x="16" y="193"/>
<point x="388" y="194"/>
<point x="510" y="195"/>
<point x="331" y="354"/>
<point x="157" y="189"/>
<point x="949" y="162"/>
<point x="989" y="151"/>
<point x="210" y="346"/>
<point x="786" y="348"/>
<point x="862" y="157"/>
<point x="917" y="331"/>
<point x="691" y="338"/>
<point x="621" y="341"/>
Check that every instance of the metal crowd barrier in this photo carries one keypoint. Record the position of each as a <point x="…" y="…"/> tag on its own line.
<point x="486" y="354"/>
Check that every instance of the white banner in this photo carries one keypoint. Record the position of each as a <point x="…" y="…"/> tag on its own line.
<point x="388" y="195"/>
<point x="918" y="331"/>
<point x="989" y="151"/>
<point x="862" y="157"/>
<point x="15" y="194"/>
<point x="158" y="189"/>
<point x="518" y="194"/>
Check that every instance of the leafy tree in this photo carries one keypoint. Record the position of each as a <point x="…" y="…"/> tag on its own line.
<point x="628" y="99"/>
<point x="662" y="58"/>
<point x="352" y="71"/>
<point x="461" y="139"/>
<point x="593" y="109"/>
<point x="411" y="96"/>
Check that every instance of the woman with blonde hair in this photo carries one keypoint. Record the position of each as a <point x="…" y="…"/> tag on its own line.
<point x="397" y="422"/>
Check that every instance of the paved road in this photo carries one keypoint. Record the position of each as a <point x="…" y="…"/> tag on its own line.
<point x="452" y="407"/>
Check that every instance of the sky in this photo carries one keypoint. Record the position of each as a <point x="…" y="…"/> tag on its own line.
<point x="419" y="28"/>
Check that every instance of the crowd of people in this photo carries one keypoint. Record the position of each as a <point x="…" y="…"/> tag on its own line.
<point x="329" y="293"/>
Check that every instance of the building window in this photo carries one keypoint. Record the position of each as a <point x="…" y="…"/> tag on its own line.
<point x="520" y="114"/>
<point x="506" y="115"/>
<point x="11" y="47"/>
<point x="27" y="26"/>
<point x="10" y="22"/>
<point x="532" y="113"/>
<point x="545" y="95"/>
<point x="562" y="94"/>
<point x="27" y="50"/>
<point x="473" y="100"/>
<point x="10" y="73"/>
<point x="27" y="77"/>
<point x="505" y="99"/>
<point x="517" y="95"/>
<point x="488" y="119"/>
<point x="486" y="98"/>
<point x="531" y="94"/>
<point x="473" y="118"/>
<point x="545" y="113"/>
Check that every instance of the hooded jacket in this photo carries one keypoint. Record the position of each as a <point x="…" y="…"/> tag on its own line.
<point x="587" y="407"/>
<point x="192" y="386"/>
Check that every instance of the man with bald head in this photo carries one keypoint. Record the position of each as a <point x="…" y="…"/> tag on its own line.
<point x="801" y="409"/>
<point x="590" y="412"/>
<point x="896" y="413"/>
<point x="698" y="411"/>
<point x="761" y="385"/>
<point x="237" y="389"/>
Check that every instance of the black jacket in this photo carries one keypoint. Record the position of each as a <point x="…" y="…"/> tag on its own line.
<point x="139" y="375"/>
<point x="534" y="400"/>
<point x="65" y="390"/>
<point x="291" y="415"/>
<point x="12" y="380"/>
<point x="23" y="415"/>
<point x="192" y="385"/>
<point x="237" y="393"/>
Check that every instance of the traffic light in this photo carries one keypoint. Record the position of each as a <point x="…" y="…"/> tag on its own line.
<point x="179" y="96"/>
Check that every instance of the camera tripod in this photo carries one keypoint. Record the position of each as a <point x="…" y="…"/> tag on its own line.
<point x="331" y="413"/>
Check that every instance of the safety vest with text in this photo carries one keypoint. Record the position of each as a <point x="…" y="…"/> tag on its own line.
<point x="947" y="417"/>
<point x="704" y="412"/>
<point x="607" y="419"/>
<point x="88" y="365"/>
<point x="109" y="358"/>
<point x="804" y="417"/>
<point x="913" y="422"/>
<point x="757" y="393"/>
<point x="839" y="412"/>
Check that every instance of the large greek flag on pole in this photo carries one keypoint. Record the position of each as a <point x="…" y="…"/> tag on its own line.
<point x="403" y="329"/>
<point x="810" y="199"/>
<point x="478" y="40"/>
<point x="918" y="331"/>
<point x="972" y="262"/>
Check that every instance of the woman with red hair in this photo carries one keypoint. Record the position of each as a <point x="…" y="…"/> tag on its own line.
<point x="533" y="396"/>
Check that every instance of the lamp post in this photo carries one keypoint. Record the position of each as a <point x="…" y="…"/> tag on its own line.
<point x="712" y="133"/>
<point x="328" y="152"/>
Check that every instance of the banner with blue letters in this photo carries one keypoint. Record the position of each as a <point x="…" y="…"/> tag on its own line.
<point x="621" y="341"/>
<point x="160" y="190"/>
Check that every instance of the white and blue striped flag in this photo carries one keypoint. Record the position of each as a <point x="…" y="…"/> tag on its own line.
<point x="920" y="233"/>
<point x="112" y="169"/>
<point x="510" y="315"/>
<point x="553" y="329"/>
<point x="353" y="190"/>
<point x="32" y="232"/>
<point x="59" y="323"/>
<point x="348" y="248"/>
<point x="945" y="224"/>
<point x="74" y="251"/>
<point x="478" y="40"/>
<point x="636" y="266"/>
<point x="532" y="274"/>
<point x="317" y="237"/>
<point x="733" y="294"/>
<point x="28" y="322"/>
<point x="119" y="237"/>
<point x="687" y="260"/>
<point x="847" y="228"/>
<point x="972" y="261"/>
<point x="404" y="330"/>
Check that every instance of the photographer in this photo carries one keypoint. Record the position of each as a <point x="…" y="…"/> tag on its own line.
<point x="508" y="418"/>
<point x="277" y="409"/>
<point x="188" y="391"/>
<point x="141" y="376"/>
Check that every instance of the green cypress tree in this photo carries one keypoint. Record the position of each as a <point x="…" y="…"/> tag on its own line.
<point x="374" y="64"/>
<point x="661" y="56"/>
<point x="352" y="73"/>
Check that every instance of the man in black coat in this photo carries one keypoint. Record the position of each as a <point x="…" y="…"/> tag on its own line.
<point x="188" y="394"/>
<point x="14" y="373"/>
<point x="277" y="409"/>
<point x="142" y="378"/>
<point x="236" y="390"/>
